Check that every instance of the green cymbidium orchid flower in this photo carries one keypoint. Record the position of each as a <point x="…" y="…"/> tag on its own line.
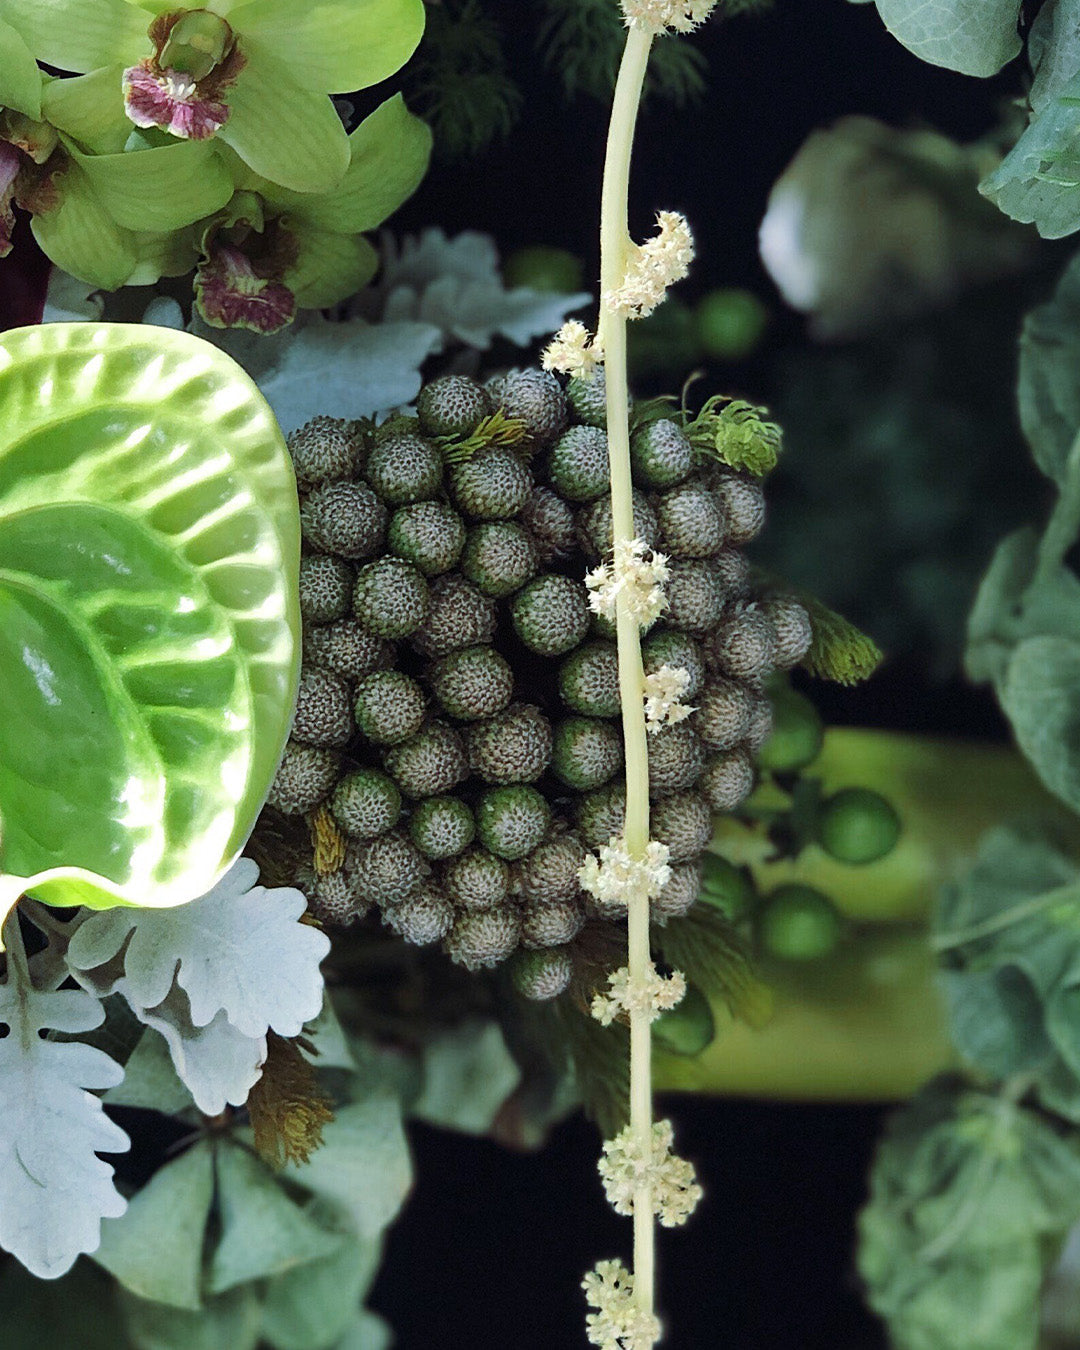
<point x="254" y="75"/>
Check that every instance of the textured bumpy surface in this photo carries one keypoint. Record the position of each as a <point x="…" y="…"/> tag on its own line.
<point x="484" y="755"/>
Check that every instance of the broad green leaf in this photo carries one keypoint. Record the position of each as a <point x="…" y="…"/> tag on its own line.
<point x="89" y="108"/>
<point x="975" y="37"/>
<point x="1053" y="50"/>
<point x="1041" y="697"/>
<point x="468" y="1075"/>
<point x="80" y="236"/>
<point x="159" y="189"/>
<point x="330" y="267"/>
<point x="80" y="35"/>
<point x="148" y="638"/>
<point x="311" y="1307"/>
<point x="286" y="133"/>
<point x="150" y="1081"/>
<point x="20" y="78"/>
<point x="335" y="46"/>
<point x="1038" y="181"/>
<point x="155" y="1250"/>
<point x="369" y="1332"/>
<point x="1048" y="388"/>
<point x="229" y="1322"/>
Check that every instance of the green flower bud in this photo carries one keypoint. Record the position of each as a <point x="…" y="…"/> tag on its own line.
<point x="499" y="557"/>
<point x="551" y="614"/>
<point x="453" y="405"/>
<point x="586" y="752"/>
<point x="343" y="518"/>
<point x="544" y="974"/>
<point x="442" y="827"/>
<point x="589" y="680"/>
<point x="797" y="734"/>
<point x="484" y="939"/>
<point x="326" y="586"/>
<point x="391" y="598"/>
<point x="304" y="778"/>
<point x="511" y="821"/>
<point x="578" y="466"/>
<point x="689" y="1027"/>
<point x="492" y="484"/>
<point x="389" y="706"/>
<point x="404" y="468"/>
<point x="477" y="880"/>
<point x="660" y="454"/>
<point x="512" y="747"/>
<point x="366" y="803"/>
<point x="430" y="535"/>
<point x="430" y="763"/>
<point x="323" y="715"/>
<point x="472" y="683"/>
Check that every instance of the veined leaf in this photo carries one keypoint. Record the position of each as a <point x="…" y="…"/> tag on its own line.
<point x="975" y="37"/>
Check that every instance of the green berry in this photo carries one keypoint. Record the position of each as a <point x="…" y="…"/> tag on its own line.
<point x="601" y="815"/>
<point x="589" y="680"/>
<point x="678" y="650"/>
<point x="727" y="780"/>
<point x="679" y="895"/>
<point x="324" y="450"/>
<point x="304" y="778"/>
<point x="676" y="758"/>
<point x="696" y="596"/>
<point x="442" y="827"/>
<point x="550" y="873"/>
<point x="343" y="518"/>
<point x="430" y="535"/>
<point x="594" y="525"/>
<point x="550" y="523"/>
<point x="743" y="644"/>
<point x="477" y="880"/>
<point x="791" y="623"/>
<point x="472" y="682"/>
<point x="403" y="467"/>
<point x="742" y="503"/>
<point x="797" y="733"/>
<point x="323" y="716"/>
<point x="326" y="586"/>
<point x="452" y="405"/>
<point x="544" y="268"/>
<point x="552" y="925"/>
<point x="391" y="868"/>
<point x="691" y="525"/>
<point x="391" y="598"/>
<point x="492" y="484"/>
<point x="551" y="614"/>
<point x="511" y="821"/>
<point x="499" y="557"/>
<point x="459" y="617"/>
<point x="430" y="763"/>
<point x="798" y="923"/>
<point x="543" y="975"/>
<point x="722" y="716"/>
<point x="856" y="825"/>
<point x="514" y="746"/>
<point x="684" y="823"/>
<point x="366" y="803"/>
<point x="588" y="398"/>
<point x="689" y="1027"/>
<point x="347" y="648"/>
<point x="485" y="939"/>
<point x="389" y="706"/>
<point x="726" y="887"/>
<point x="586" y="752"/>
<point x="422" y="918"/>
<point x="660" y="454"/>
<point x="578" y="466"/>
<point x="534" y="397"/>
<point x="730" y="322"/>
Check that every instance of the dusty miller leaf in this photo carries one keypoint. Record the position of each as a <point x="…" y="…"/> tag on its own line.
<point x="1038" y="181"/>
<point x="975" y="37"/>
<point x="54" y="1190"/>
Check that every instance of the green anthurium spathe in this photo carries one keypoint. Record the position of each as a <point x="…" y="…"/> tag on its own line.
<point x="254" y="75"/>
<point x="149" y="625"/>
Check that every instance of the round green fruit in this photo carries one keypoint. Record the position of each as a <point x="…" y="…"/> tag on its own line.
<point x="726" y="887"/>
<point x="689" y="1027"/>
<point x="856" y="825"/>
<point x="798" y="923"/>
<point x="730" y="323"/>
<point x="797" y="733"/>
<point x="544" y="269"/>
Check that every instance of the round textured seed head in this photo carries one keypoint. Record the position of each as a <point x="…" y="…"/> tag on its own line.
<point x="512" y="747"/>
<point x="761" y="722"/>
<point x="696" y="596"/>
<point x="594" y="525"/>
<point x="304" y="778"/>
<point x="499" y="557"/>
<point x="723" y="713"/>
<point x="338" y="898"/>
<point x="742" y="504"/>
<point x="588" y="398"/>
<point x="534" y="397"/>
<point x="578" y="465"/>
<point x="543" y="975"/>
<point x="791" y="623"/>
<point x="728" y="780"/>
<point x="366" y="803"/>
<point x="678" y="650"/>
<point x="484" y="939"/>
<point x="472" y="682"/>
<point x="677" y="897"/>
<point x="493" y="484"/>
<point x="551" y="925"/>
<point x="551" y="614"/>
<point x="660" y="454"/>
<point x="324" y="450"/>
<point x="586" y="751"/>
<point x="460" y="616"/>
<point x="326" y="585"/>
<point x="550" y="873"/>
<point x="430" y="535"/>
<point x="691" y="524"/>
<point x="550" y="523"/>
<point x="391" y="868"/>
<point x="732" y="569"/>
<point x="601" y="815"/>
<point x="683" y="822"/>
<point x="589" y="680"/>
<point x="323" y="715"/>
<point x="391" y="598"/>
<point x="389" y="706"/>
<point x="452" y="405"/>
<point x="344" y="518"/>
<point x="743" y="644"/>
<point x="424" y="917"/>
<point x="511" y="821"/>
<point x="347" y="648"/>
<point x="676" y="758"/>
<point x="477" y="880"/>
<point x="429" y="763"/>
<point x="404" y="468"/>
<point x="442" y="827"/>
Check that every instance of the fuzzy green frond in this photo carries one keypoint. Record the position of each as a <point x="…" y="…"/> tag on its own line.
<point x="648" y="410"/>
<point x="496" y="429"/>
<point x="839" y="651"/>
<point x="286" y="1106"/>
<point x="601" y="1060"/>
<point x="712" y="955"/>
<point x="736" y="433"/>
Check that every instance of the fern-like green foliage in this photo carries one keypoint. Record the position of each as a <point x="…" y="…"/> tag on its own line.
<point x="498" y="429"/>
<point x="712" y="955"/>
<point x="838" y="651"/>
<point x="737" y="434"/>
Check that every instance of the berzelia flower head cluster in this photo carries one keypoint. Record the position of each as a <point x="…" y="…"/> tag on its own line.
<point x="617" y="1324"/>
<point x="632" y="574"/>
<point x="663" y="690"/>
<point x="655" y="994"/>
<point x="618" y="878"/>
<point x="625" y="1168"/>
<point x="657" y="15"/>
<point x="653" y="266"/>
<point x="574" y="351"/>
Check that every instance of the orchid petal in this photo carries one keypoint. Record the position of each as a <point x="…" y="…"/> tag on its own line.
<point x="80" y="35"/>
<point x="329" y="268"/>
<point x="80" y="236"/>
<point x="20" y="78"/>
<point x="90" y="108"/>
<point x="162" y="189"/>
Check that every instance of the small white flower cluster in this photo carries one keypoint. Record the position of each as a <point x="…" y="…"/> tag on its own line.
<point x="624" y="1170"/>
<point x="629" y="573"/>
<point x="653" y="267"/>
<point x="574" y="351"/>
<point x="656" y="15"/>
<point x="617" y="878"/>
<point x="663" y="690"/>
<point x="654" y="994"/>
<point x="617" y="1324"/>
